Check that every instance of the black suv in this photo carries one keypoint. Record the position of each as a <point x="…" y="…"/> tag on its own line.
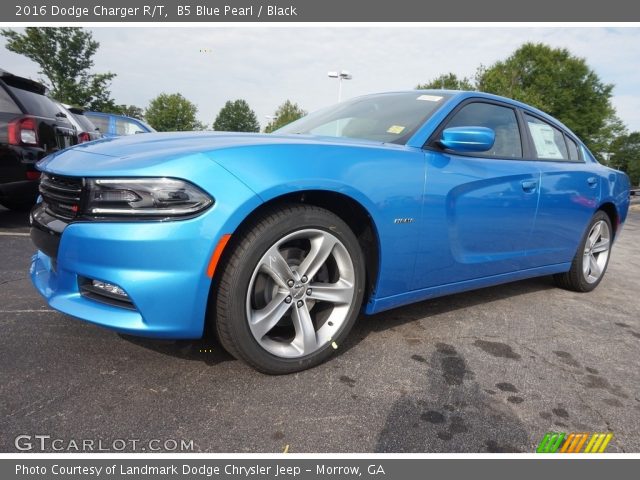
<point x="31" y="127"/>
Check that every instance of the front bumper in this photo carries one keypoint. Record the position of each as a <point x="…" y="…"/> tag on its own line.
<point x="160" y="265"/>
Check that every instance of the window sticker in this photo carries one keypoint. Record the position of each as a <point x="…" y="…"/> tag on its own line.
<point x="429" y="98"/>
<point x="395" y="129"/>
<point x="543" y="139"/>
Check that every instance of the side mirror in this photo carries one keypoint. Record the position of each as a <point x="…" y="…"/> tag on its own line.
<point x="468" y="139"/>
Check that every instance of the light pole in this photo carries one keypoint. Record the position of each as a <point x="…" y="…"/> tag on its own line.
<point x="342" y="75"/>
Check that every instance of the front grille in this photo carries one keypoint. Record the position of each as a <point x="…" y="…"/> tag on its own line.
<point x="61" y="195"/>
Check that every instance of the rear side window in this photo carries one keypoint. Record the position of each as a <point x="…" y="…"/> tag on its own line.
<point x="7" y="105"/>
<point x="34" y="103"/>
<point x="548" y="141"/>
<point x="573" y="150"/>
<point x="502" y="120"/>
<point x="100" y="122"/>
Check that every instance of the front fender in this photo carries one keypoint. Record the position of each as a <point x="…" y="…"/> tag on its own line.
<point x="387" y="181"/>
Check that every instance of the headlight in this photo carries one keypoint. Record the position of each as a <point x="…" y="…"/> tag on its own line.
<point x="144" y="197"/>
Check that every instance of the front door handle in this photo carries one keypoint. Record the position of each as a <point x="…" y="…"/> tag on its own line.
<point x="529" y="186"/>
<point x="592" y="181"/>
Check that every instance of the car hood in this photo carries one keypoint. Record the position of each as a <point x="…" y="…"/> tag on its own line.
<point x="135" y="153"/>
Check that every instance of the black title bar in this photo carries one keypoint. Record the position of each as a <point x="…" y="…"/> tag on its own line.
<point x="284" y="468"/>
<point x="214" y="11"/>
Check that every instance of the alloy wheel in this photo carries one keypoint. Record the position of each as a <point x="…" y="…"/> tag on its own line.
<point x="596" y="251"/>
<point x="300" y="293"/>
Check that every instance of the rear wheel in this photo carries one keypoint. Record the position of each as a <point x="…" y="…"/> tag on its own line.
<point x="591" y="260"/>
<point x="290" y="290"/>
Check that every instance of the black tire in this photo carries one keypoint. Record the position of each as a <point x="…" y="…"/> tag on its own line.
<point x="18" y="205"/>
<point x="575" y="279"/>
<point x="20" y="197"/>
<point x="228" y="311"/>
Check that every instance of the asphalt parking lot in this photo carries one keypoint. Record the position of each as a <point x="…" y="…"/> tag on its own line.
<point x="491" y="370"/>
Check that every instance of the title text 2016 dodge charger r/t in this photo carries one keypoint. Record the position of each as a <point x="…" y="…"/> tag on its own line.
<point x="278" y="241"/>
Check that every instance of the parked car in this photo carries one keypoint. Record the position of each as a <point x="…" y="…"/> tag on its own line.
<point x="112" y="125"/>
<point x="85" y="130"/>
<point x="30" y="128"/>
<point x="278" y="241"/>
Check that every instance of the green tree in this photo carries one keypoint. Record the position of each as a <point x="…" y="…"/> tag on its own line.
<point x="447" y="81"/>
<point x="236" y="116"/>
<point x="625" y="155"/>
<point x="285" y="114"/>
<point x="171" y="112"/>
<point x="132" y="111"/>
<point x="602" y="144"/>
<point x="65" y="56"/>
<point x="557" y="82"/>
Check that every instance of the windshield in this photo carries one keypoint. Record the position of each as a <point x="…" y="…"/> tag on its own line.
<point x="146" y="125"/>
<point x="389" y="118"/>
<point x="34" y="103"/>
<point x="67" y="115"/>
<point x="84" y="122"/>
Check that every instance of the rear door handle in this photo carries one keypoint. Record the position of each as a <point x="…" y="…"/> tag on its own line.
<point x="592" y="181"/>
<point x="529" y="186"/>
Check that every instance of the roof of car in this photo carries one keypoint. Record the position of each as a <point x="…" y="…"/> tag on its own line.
<point x="117" y="115"/>
<point x="463" y="94"/>
<point x="22" y="82"/>
<point x="111" y="115"/>
<point x="76" y="110"/>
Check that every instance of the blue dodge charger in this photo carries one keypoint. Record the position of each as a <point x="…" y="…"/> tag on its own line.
<point x="275" y="243"/>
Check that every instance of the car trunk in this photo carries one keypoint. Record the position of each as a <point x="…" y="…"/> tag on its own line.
<point x="55" y="132"/>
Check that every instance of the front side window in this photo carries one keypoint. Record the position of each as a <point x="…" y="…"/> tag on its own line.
<point x="548" y="141"/>
<point x="502" y="120"/>
<point x="390" y="118"/>
<point x="127" y="127"/>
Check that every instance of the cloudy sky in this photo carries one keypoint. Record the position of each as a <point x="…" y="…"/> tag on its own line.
<point x="266" y="65"/>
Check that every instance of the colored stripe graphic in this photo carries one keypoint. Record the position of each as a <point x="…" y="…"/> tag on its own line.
<point x="598" y="442"/>
<point x="569" y="441"/>
<point x="573" y="442"/>
<point x="596" y="445"/>
<point x="550" y="442"/>
<point x="579" y="446"/>
<point x="606" y="442"/>
<point x="591" y="443"/>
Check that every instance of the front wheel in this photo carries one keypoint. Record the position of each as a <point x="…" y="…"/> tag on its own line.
<point x="290" y="290"/>
<point x="18" y="205"/>
<point x="591" y="259"/>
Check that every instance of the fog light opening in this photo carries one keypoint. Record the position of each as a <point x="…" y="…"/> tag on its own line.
<point x="110" y="288"/>
<point x="105" y="292"/>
